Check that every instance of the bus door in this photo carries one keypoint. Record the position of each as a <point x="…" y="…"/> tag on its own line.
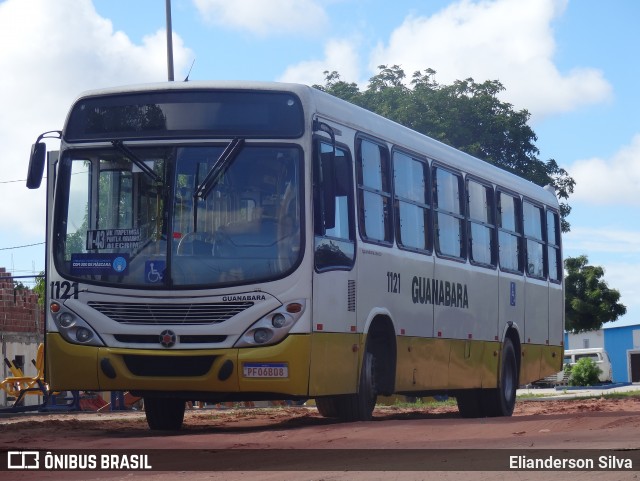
<point x="334" y="363"/>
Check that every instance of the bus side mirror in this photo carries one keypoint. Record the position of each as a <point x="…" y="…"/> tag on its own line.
<point x="36" y="165"/>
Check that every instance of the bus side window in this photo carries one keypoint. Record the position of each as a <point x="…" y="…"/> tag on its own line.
<point x="553" y="246"/>
<point x="509" y="233"/>
<point x="334" y="238"/>
<point x="374" y="192"/>
<point x="449" y="214"/>
<point x="411" y="202"/>
<point x="481" y="223"/>
<point x="532" y="221"/>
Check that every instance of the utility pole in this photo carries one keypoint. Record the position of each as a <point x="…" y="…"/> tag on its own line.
<point x="169" y="42"/>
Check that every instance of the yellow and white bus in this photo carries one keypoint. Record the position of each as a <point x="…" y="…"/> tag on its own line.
<point x="228" y="241"/>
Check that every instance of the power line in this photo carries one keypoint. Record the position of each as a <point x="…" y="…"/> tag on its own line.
<point x="12" y="181"/>
<point x="19" y="180"/>
<point x="20" y="247"/>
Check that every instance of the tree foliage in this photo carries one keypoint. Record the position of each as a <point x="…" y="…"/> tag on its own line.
<point x="589" y="302"/>
<point x="466" y="115"/>
<point x="39" y="288"/>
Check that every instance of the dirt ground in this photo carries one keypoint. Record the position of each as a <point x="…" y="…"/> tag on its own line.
<point x="598" y="424"/>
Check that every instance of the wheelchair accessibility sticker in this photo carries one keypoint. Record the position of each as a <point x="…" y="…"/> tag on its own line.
<point x="154" y="271"/>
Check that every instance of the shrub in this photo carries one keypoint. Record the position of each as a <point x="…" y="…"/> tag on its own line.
<point x="585" y="373"/>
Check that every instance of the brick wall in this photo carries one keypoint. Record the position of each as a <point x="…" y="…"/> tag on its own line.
<point x="19" y="310"/>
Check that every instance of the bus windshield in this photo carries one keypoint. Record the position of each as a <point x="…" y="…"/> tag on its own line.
<point x="118" y="223"/>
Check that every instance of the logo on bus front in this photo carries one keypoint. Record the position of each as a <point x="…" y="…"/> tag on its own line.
<point x="167" y="338"/>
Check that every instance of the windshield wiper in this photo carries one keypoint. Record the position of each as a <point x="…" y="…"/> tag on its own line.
<point x="218" y="168"/>
<point x="118" y="144"/>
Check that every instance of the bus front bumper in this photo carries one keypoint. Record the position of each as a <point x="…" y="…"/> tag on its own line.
<point x="282" y="368"/>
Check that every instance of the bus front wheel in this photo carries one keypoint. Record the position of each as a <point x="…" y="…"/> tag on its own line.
<point x="164" y="414"/>
<point x="358" y="406"/>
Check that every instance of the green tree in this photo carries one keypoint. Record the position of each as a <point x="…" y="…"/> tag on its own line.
<point x="466" y="115"/>
<point x="589" y="302"/>
<point x="39" y="288"/>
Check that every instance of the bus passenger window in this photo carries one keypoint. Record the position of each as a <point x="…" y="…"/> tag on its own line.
<point x="411" y="202"/>
<point x="509" y="236"/>
<point x="374" y="193"/>
<point x="449" y="210"/>
<point x="481" y="223"/>
<point x="532" y="220"/>
<point x="553" y="246"/>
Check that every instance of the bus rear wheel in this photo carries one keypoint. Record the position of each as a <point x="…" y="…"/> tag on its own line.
<point x="470" y="403"/>
<point x="501" y="401"/>
<point x="164" y="414"/>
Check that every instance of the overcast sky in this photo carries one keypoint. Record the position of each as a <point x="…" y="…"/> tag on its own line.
<point x="572" y="64"/>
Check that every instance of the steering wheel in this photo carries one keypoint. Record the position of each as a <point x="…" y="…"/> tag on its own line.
<point x="188" y="240"/>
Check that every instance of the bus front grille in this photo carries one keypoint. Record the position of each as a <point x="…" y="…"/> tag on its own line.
<point x="164" y="314"/>
<point x="168" y="366"/>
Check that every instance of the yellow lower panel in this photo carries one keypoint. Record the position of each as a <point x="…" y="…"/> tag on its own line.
<point x="530" y="363"/>
<point x="334" y="363"/>
<point x="551" y="361"/>
<point x="433" y="364"/>
<point x="422" y="364"/>
<point x="73" y="367"/>
<point x="69" y="367"/>
<point x="539" y="361"/>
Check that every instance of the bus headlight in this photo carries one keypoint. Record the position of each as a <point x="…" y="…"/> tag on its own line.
<point x="83" y="335"/>
<point x="73" y="328"/>
<point x="262" y="335"/>
<point x="278" y="320"/>
<point x="66" y="320"/>
<point x="273" y="327"/>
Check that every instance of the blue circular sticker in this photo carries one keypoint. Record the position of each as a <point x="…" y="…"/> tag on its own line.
<point x="119" y="264"/>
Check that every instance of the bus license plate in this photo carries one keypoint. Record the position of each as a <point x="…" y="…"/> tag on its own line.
<point x="266" y="370"/>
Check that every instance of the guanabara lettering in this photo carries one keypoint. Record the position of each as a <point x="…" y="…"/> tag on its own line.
<point x="252" y="297"/>
<point x="441" y="293"/>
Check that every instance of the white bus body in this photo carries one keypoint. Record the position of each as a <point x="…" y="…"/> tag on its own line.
<point x="332" y="254"/>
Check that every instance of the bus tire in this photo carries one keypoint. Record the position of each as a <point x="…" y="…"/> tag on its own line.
<point x="470" y="403"/>
<point x="502" y="400"/>
<point x="359" y="406"/>
<point x="164" y="414"/>
<point x="328" y="406"/>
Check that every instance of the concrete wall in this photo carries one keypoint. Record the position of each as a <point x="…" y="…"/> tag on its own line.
<point x="589" y="339"/>
<point x="619" y="342"/>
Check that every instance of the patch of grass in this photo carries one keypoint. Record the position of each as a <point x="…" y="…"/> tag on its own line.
<point x="524" y="397"/>
<point x="622" y="394"/>
<point x="426" y="403"/>
<point x="601" y="395"/>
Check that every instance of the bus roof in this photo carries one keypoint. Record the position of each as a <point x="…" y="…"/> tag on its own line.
<point x="365" y="121"/>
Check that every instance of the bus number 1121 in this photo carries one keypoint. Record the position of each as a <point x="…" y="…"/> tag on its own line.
<point x="393" y="282"/>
